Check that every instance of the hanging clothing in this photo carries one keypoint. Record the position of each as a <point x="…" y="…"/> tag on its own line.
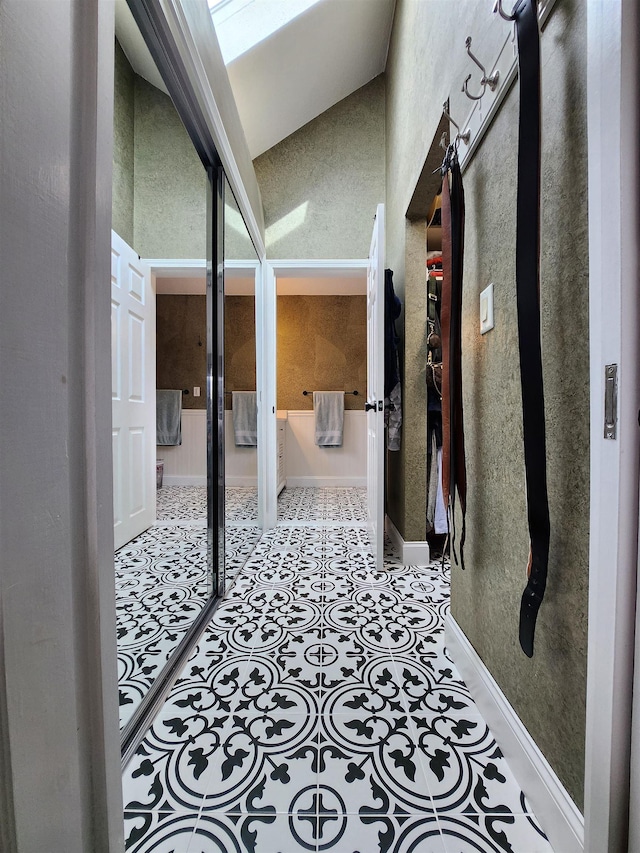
<point x="392" y="388"/>
<point x="454" y="475"/>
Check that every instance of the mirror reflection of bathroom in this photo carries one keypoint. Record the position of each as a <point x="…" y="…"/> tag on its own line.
<point x="322" y="441"/>
<point x="241" y="267"/>
<point x="159" y="353"/>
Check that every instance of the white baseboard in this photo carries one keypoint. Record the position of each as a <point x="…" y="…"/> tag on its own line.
<point x="558" y="815"/>
<point x="241" y="482"/>
<point x="327" y="482"/>
<point x="179" y="480"/>
<point x="411" y="553"/>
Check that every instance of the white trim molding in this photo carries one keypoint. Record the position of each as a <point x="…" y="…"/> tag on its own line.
<point x="559" y="816"/>
<point x="175" y="267"/>
<point x="614" y="320"/>
<point x="317" y="266"/>
<point x="327" y="482"/>
<point x="184" y="480"/>
<point x="414" y="553"/>
<point x="238" y="482"/>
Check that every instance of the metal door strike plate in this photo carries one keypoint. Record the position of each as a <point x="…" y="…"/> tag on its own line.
<point x="611" y="401"/>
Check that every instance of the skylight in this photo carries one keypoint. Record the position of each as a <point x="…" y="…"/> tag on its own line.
<point x="242" y="24"/>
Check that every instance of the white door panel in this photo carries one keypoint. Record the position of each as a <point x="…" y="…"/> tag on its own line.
<point x="133" y="393"/>
<point x="375" y="387"/>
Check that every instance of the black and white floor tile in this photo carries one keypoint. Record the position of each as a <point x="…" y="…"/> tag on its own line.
<point x="162" y="582"/>
<point x="161" y="586"/>
<point x="323" y="505"/>
<point x="181" y="503"/>
<point x="320" y="712"/>
<point x="189" y="503"/>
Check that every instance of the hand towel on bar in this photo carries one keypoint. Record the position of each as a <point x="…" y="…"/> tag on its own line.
<point x="245" y="418"/>
<point x="329" y="409"/>
<point x="168" y="417"/>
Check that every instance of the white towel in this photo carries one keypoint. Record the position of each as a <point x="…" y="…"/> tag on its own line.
<point x="329" y="409"/>
<point x="168" y="417"/>
<point x="245" y="418"/>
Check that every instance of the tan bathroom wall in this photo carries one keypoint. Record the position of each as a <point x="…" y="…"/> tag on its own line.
<point x="322" y="346"/>
<point x="239" y="345"/>
<point x="181" y="346"/>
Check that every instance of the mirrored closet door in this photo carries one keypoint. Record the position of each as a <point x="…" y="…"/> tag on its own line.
<point x="241" y="268"/>
<point x="168" y="223"/>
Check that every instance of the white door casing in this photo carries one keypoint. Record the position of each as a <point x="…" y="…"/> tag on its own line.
<point x="133" y="372"/>
<point x="375" y="387"/>
<point x="610" y="808"/>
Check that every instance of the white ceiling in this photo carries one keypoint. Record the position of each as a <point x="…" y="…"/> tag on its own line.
<point x="297" y="69"/>
<point x="307" y="65"/>
<point x="134" y="46"/>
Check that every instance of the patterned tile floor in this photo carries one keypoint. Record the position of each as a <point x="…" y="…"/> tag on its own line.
<point x="320" y="711"/>
<point x="161" y="581"/>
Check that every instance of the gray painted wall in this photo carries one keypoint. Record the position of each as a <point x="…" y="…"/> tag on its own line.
<point x="59" y="736"/>
<point x="321" y="185"/>
<point x="427" y="62"/>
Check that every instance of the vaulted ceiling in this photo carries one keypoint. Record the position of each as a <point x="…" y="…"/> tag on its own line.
<point x="293" y="72"/>
<point x="288" y="60"/>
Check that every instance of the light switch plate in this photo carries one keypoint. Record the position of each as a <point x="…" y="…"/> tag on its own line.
<point x="486" y="309"/>
<point x="196" y="391"/>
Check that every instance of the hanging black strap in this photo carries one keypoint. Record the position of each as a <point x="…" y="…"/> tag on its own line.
<point x="528" y="301"/>
<point x="454" y="473"/>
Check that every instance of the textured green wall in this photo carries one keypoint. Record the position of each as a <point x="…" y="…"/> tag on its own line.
<point x="123" y="125"/>
<point x="159" y="183"/>
<point x="427" y="63"/>
<point x="321" y="185"/>
<point x="181" y="346"/>
<point x="322" y="346"/>
<point x="170" y="210"/>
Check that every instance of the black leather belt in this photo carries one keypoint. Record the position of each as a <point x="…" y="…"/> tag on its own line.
<point x="528" y="301"/>
<point x="454" y="472"/>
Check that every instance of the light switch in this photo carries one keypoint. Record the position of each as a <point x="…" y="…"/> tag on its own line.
<point x="486" y="309"/>
<point x="196" y="391"/>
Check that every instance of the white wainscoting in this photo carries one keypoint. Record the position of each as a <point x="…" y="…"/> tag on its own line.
<point x="322" y="467"/>
<point x="186" y="464"/>
<point x="240" y="463"/>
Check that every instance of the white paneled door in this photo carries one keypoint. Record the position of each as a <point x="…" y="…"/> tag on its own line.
<point x="375" y="387"/>
<point x="133" y="372"/>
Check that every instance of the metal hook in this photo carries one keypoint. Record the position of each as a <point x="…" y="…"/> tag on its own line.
<point x="466" y="136"/>
<point x="491" y="81"/>
<point x="497" y="7"/>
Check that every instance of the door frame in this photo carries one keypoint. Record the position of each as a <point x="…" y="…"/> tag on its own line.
<point x="272" y="269"/>
<point x="255" y="267"/>
<point x="612" y="95"/>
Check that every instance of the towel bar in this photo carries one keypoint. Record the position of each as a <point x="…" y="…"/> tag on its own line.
<point x="353" y="393"/>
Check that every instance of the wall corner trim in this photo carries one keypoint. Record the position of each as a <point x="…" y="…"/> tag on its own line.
<point x="411" y="553"/>
<point x="558" y="815"/>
